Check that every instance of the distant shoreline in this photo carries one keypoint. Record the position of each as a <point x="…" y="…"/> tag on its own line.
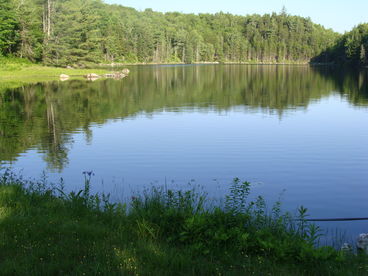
<point x="36" y="72"/>
<point x="208" y="63"/>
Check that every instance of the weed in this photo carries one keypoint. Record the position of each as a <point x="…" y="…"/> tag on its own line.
<point x="47" y="231"/>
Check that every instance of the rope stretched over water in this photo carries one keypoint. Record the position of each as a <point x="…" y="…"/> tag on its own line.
<point x="333" y="219"/>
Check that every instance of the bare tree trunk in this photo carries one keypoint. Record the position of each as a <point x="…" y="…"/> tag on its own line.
<point x="49" y="18"/>
<point x="44" y="20"/>
<point x="197" y="53"/>
<point x="47" y="13"/>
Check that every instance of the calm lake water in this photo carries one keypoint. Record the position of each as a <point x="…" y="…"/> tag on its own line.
<point x="295" y="130"/>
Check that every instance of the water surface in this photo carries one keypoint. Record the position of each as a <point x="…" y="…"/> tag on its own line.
<point x="295" y="129"/>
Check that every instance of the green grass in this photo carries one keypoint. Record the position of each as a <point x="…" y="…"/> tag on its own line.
<point x="21" y="70"/>
<point x="45" y="231"/>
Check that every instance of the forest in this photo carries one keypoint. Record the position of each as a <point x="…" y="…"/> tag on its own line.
<point x="82" y="32"/>
<point x="79" y="32"/>
<point x="350" y="48"/>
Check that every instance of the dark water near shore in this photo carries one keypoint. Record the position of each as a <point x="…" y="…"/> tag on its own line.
<point x="295" y="129"/>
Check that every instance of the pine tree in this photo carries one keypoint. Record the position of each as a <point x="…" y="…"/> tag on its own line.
<point x="8" y="28"/>
<point x="30" y="34"/>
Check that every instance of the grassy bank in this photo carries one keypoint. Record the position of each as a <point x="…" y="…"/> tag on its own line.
<point x="21" y="70"/>
<point x="44" y="231"/>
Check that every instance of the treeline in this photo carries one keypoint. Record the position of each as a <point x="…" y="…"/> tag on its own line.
<point x="351" y="48"/>
<point x="68" y="32"/>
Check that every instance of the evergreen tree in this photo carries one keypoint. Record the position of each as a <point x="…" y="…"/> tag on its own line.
<point x="8" y="28"/>
<point x="30" y="32"/>
<point x="350" y="48"/>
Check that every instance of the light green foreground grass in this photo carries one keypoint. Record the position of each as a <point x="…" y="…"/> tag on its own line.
<point x="44" y="231"/>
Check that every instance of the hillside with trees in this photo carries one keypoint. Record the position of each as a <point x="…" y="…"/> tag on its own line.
<point x="78" y="32"/>
<point x="351" y="48"/>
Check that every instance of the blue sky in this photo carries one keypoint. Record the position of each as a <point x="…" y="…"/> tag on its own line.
<point x="340" y="15"/>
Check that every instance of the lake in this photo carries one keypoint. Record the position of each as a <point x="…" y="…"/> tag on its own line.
<point x="298" y="132"/>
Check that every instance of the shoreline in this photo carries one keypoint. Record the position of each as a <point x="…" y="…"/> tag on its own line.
<point x="29" y="72"/>
<point x="112" y="65"/>
<point x="39" y="72"/>
<point x="160" y="232"/>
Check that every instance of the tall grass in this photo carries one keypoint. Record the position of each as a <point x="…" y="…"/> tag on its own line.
<point x="13" y="63"/>
<point x="46" y="231"/>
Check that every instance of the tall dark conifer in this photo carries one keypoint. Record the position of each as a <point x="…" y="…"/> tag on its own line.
<point x="9" y="36"/>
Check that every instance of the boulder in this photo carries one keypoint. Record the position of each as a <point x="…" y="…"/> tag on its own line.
<point x="92" y="76"/>
<point x="64" y="77"/>
<point x="118" y="75"/>
<point x="125" y="71"/>
<point x="109" y="75"/>
<point x="115" y="75"/>
<point x="362" y="243"/>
